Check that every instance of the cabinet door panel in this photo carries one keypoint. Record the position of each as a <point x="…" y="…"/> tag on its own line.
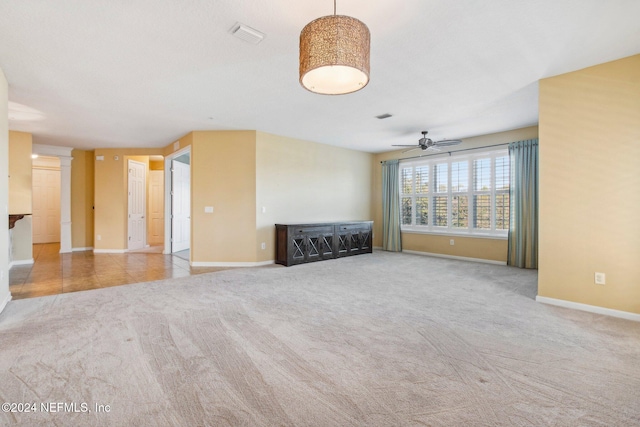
<point x="365" y="241"/>
<point x="354" y="242"/>
<point x="342" y="244"/>
<point x="297" y="249"/>
<point x="327" y="249"/>
<point x="312" y="252"/>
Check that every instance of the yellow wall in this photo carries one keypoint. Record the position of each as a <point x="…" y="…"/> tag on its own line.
<point x="82" y="189"/>
<point x="20" y="194"/>
<point x="156" y="165"/>
<point x="110" y="214"/>
<point x="19" y="172"/>
<point x="589" y="185"/>
<point x="469" y="247"/>
<point x="301" y="181"/>
<point x="223" y="175"/>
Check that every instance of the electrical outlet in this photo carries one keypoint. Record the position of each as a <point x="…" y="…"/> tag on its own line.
<point x="451" y="242"/>
<point x="99" y="237"/>
<point x="263" y="245"/>
<point x="599" y="278"/>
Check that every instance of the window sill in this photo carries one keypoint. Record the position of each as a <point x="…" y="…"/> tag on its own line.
<point x="475" y="235"/>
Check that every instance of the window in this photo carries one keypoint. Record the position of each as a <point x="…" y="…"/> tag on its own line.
<point x="464" y="194"/>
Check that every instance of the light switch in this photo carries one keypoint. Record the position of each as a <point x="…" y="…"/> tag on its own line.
<point x="208" y="209"/>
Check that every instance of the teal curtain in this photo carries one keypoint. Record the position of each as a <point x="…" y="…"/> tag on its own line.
<point x="391" y="239"/>
<point x="523" y="196"/>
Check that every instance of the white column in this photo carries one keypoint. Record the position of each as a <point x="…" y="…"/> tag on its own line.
<point x="65" y="204"/>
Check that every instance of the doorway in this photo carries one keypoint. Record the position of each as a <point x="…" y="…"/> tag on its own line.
<point x="136" y="205"/>
<point x="46" y="199"/>
<point x="178" y="203"/>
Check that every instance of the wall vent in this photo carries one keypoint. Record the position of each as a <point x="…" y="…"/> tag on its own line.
<point x="246" y="33"/>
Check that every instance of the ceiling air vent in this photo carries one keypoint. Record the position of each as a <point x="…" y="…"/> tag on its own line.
<point x="246" y="33"/>
<point x="383" y="116"/>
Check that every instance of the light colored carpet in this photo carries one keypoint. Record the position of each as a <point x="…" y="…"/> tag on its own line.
<point x="375" y="340"/>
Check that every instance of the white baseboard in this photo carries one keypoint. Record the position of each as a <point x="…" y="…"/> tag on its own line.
<point x="231" y="264"/>
<point x="590" y="308"/>
<point x="4" y="303"/>
<point x="90" y="248"/>
<point x="20" y="262"/>
<point x="462" y="258"/>
<point x="110" y="251"/>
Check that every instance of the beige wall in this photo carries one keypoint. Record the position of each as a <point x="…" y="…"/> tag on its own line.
<point x="156" y="165"/>
<point x="239" y="172"/>
<point x="223" y="175"/>
<point x="4" y="190"/>
<point x="20" y="172"/>
<point x="20" y="195"/>
<point x="110" y="216"/>
<point x="589" y="185"/>
<point x="301" y="181"/>
<point x="82" y="189"/>
<point x="470" y="247"/>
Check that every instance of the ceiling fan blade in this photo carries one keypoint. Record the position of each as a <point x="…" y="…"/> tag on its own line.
<point x="411" y="149"/>
<point x="397" y="145"/>
<point x="447" y="142"/>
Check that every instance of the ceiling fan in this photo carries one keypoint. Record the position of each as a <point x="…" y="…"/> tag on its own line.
<point x="425" y="143"/>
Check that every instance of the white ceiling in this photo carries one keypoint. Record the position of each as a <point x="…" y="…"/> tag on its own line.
<point x="121" y="73"/>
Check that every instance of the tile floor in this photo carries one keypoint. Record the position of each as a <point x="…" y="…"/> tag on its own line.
<point x="55" y="273"/>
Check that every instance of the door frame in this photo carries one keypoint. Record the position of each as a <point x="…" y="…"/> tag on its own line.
<point x="168" y="198"/>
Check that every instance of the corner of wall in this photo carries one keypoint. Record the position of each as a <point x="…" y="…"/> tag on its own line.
<point x="5" y="295"/>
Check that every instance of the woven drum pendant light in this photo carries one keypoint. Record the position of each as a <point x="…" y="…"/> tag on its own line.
<point x="334" y="55"/>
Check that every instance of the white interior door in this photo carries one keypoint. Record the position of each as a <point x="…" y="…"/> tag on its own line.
<point x="46" y="205"/>
<point x="180" y="206"/>
<point x="156" y="207"/>
<point x="136" y="205"/>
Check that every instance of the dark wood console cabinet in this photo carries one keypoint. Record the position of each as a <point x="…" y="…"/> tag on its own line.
<point x="301" y="243"/>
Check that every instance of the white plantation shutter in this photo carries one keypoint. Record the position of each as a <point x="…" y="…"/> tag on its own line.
<point x="503" y="172"/>
<point x="463" y="194"/>
<point x="406" y="196"/>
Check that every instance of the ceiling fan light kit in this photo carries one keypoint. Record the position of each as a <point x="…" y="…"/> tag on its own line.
<point x="334" y="55"/>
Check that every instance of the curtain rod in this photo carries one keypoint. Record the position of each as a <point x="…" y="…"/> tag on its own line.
<point x="449" y="152"/>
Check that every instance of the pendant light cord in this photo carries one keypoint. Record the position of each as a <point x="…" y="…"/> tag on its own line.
<point x="334" y="7"/>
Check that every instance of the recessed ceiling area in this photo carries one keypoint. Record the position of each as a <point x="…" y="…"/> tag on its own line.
<point x="142" y="74"/>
